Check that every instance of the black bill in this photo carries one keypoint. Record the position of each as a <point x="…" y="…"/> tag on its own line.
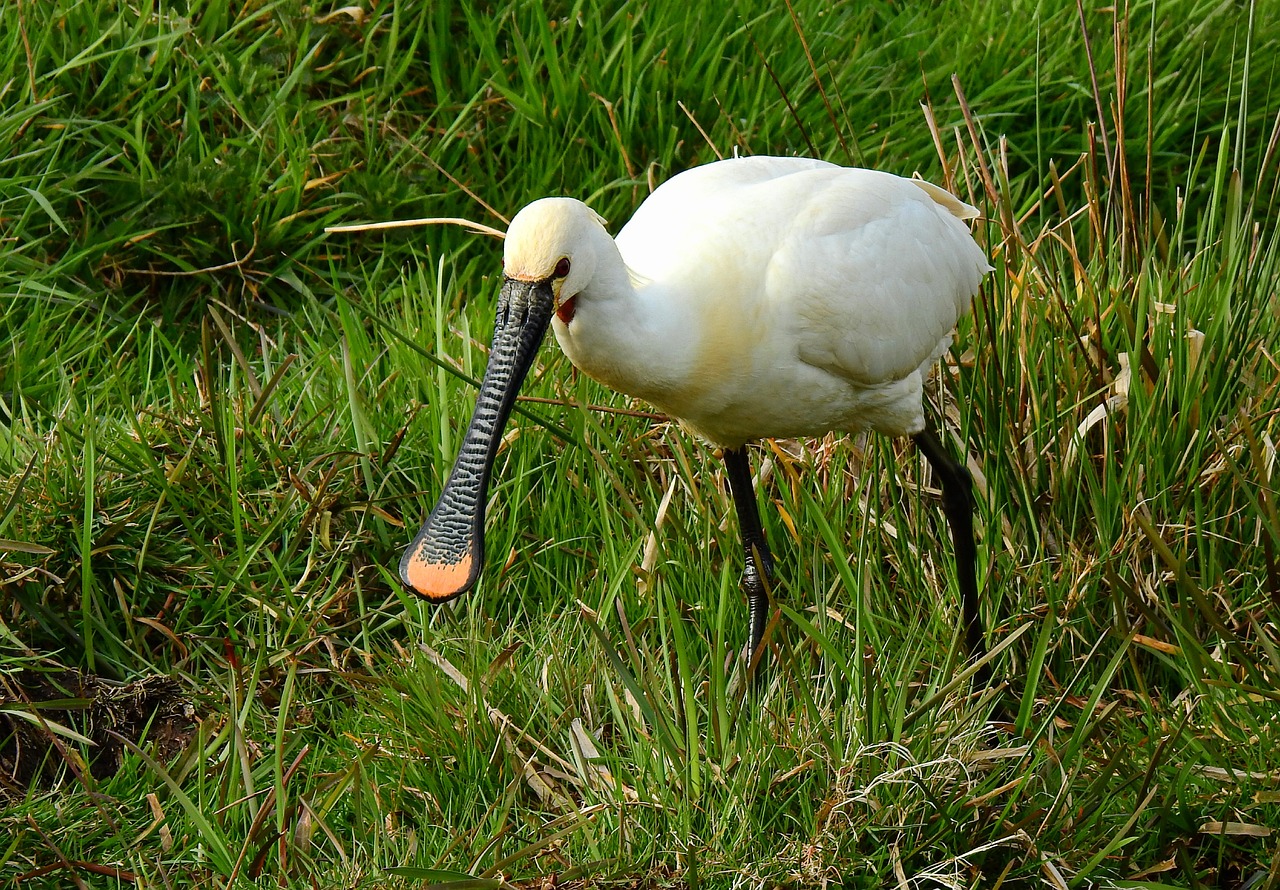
<point x="447" y="554"/>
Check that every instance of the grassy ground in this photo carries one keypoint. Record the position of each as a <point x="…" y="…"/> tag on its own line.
<point x="219" y="426"/>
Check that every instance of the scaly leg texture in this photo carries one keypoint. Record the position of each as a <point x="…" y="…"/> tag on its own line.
<point x="957" y="503"/>
<point x="757" y="577"/>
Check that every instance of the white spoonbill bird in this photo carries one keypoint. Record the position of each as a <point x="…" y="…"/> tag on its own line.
<point x="750" y="298"/>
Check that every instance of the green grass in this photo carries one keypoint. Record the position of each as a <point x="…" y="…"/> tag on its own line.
<point x="219" y="426"/>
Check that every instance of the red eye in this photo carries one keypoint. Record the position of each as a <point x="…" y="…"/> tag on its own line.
<point x="562" y="267"/>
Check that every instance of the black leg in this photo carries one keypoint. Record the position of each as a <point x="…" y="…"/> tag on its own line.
<point x="957" y="503"/>
<point x="758" y="574"/>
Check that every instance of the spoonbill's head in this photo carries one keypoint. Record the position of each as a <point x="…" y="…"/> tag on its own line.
<point x="550" y="245"/>
<point x="549" y="258"/>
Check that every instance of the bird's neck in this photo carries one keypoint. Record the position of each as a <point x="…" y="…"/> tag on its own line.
<point x="624" y="333"/>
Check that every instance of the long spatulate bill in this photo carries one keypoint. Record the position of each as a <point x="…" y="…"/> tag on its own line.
<point x="445" y="558"/>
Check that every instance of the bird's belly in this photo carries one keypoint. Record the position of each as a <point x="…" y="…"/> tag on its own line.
<point x="796" y="402"/>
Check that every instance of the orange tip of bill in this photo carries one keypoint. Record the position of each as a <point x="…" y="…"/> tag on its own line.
<point x="437" y="581"/>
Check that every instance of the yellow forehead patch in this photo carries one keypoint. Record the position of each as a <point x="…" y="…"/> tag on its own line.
<point x="542" y="234"/>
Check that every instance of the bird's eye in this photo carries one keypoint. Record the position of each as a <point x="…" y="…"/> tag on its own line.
<point x="562" y="267"/>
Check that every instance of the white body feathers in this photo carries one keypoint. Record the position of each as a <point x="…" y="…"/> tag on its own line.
<point x="762" y="297"/>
